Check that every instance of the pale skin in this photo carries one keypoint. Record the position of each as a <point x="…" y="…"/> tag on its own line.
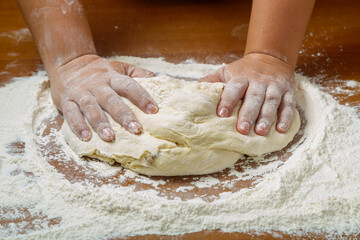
<point x="84" y="86"/>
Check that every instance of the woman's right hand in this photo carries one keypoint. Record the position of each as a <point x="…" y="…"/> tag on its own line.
<point x="89" y="85"/>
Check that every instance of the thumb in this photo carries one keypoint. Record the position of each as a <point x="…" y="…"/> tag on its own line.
<point x="131" y="70"/>
<point x="215" y="77"/>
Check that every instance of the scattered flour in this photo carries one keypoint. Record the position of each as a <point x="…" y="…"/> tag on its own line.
<point x="352" y="84"/>
<point x="316" y="190"/>
<point x="20" y="35"/>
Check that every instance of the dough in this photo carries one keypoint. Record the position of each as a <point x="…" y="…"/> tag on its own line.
<point x="185" y="137"/>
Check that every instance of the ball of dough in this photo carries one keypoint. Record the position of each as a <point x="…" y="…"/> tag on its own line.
<point x="185" y="137"/>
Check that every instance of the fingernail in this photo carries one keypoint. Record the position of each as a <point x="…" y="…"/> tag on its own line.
<point x="245" y="126"/>
<point x="223" y="112"/>
<point x="283" y="127"/>
<point x="135" y="127"/>
<point x="85" y="135"/>
<point x="261" y="126"/>
<point x="151" y="109"/>
<point x="107" y="133"/>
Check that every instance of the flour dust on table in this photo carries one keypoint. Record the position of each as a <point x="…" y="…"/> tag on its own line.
<point x="49" y="192"/>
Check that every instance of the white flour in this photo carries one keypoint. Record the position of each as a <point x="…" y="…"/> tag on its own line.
<point x="21" y="35"/>
<point x="316" y="190"/>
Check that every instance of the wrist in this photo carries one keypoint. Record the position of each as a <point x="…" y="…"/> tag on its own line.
<point x="272" y="59"/>
<point x="71" y="63"/>
<point x="290" y="61"/>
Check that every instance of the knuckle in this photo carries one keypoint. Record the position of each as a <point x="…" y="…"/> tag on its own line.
<point x="289" y="97"/>
<point x="227" y="74"/>
<point x="78" y="126"/>
<point x="287" y="113"/>
<point x="94" y="117"/>
<point x="71" y="117"/>
<point x="103" y="92"/>
<point x="116" y="105"/>
<point x="143" y="99"/>
<point x="235" y="86"/>
<point x="128" y="85"/>
<point x="273" y="95"/>
<point x="239" y="81"/>
<point x="71" y="112"/>
<point x="66" y="107"/>
<point x="267" y="112"/>
<point x="255" y="95"/>
<point x="273" y="98"/>
<point x="291" y="103"/>
<point x="120" y="113"/>
<point x="86" y="101"/>
<point x="109" y="99"/>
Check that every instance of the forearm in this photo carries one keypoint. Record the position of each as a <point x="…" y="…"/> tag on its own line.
<point x="277" y="28"/>
<point x="60" y="30"/>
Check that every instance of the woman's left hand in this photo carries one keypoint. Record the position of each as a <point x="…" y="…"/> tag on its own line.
<point x="267" y="87"/>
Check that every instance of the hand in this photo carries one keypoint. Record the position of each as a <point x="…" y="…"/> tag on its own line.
<point x="266" y="85"/>
<point x="89" y="85"/>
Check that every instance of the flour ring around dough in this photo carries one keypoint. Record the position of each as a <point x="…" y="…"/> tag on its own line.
<point x="186" y="137"/>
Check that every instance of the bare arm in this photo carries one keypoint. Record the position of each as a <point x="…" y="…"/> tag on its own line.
<point x="277" y="28"/>
<point x="83" y="85"/>
<point x="264" y="77"/>
<point x="60" y="30"/>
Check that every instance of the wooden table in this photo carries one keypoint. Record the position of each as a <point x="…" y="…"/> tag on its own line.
<point x="207" y="31"/>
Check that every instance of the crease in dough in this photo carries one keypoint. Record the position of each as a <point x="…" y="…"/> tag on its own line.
<point x="185" y="137"/>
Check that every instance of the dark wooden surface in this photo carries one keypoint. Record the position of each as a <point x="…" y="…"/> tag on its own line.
<point x="207" y="31"/>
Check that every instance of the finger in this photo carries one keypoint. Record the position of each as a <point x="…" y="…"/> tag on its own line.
<point x="230" y="97"/>
<point x="250" y="109"/>
<point x="268" y="110"/>
<point x="130" y="70"/>
<point x="215" y="77"/>
<point x="211" y="78"/>
<point x="119" y="111"/>
<point x="132" y="90"/>
<point x="286" y="112"/>
<point x="76" y="121"/>
<point x="96" y="117"/>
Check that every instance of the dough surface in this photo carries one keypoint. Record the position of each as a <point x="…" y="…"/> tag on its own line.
<point x="185" y="137"/>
